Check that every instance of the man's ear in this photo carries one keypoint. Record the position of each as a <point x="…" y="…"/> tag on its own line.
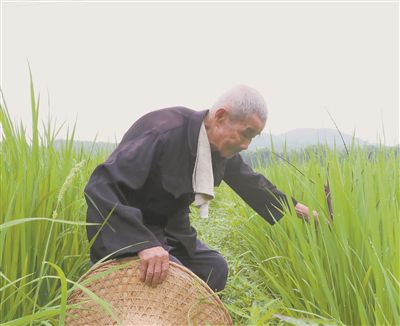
<point x="221" y="115"/>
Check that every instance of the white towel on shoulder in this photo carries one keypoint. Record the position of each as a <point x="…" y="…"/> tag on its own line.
<point x="203" y="177"/>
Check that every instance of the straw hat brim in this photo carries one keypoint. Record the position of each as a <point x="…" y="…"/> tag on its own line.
<point x="182" y="299"/>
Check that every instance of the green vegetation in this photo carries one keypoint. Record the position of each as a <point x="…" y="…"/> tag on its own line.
<point x="346" y="271"/>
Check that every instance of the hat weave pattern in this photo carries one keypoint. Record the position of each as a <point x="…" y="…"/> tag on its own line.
<point x="182" y="299"/>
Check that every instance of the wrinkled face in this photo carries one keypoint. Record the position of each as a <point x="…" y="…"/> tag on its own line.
<point x="234" y="135"/>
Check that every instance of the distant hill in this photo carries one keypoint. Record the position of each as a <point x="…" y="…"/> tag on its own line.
<point x="303" y="137"/>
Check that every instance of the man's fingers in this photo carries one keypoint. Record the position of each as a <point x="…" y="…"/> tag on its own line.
<point x="316" y="217"/>
<point x="164" y="270"/>
<point x="143" y="270"/>
<point x="157" y="273"/>
<point x="149" y="273"/>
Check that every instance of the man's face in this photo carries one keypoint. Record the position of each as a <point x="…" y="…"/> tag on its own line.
<point x="235" y="135"/>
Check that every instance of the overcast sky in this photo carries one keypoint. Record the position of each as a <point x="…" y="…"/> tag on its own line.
<point x="106" y="64"/>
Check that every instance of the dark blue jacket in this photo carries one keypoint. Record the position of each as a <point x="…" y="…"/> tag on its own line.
<point x="142" y="192"/>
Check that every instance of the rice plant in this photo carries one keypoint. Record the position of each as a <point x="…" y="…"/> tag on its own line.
<point x="42" y="218"/>
<point x="344" y="270"/>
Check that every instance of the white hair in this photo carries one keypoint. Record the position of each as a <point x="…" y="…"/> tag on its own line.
<point x="242" y="101"/>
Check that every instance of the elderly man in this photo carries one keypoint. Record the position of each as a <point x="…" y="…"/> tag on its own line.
<point x="166" y="161"/>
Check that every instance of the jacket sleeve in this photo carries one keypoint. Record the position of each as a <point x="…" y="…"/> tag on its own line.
<point x="255" y="189"/>
<point x="108" y="194"/>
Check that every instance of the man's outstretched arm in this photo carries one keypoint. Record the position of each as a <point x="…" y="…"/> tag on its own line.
<point x="260" y="193"/>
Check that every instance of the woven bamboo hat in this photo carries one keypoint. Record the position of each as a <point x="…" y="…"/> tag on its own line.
<point x="182" y="299"/>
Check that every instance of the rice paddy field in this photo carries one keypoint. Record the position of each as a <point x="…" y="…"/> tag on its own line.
<point x="345" y="270"/>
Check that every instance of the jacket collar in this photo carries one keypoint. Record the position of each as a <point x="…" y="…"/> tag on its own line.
<point x="194" y="130"/>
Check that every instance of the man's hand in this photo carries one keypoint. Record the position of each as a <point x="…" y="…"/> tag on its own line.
<point x="303" y="212"/>
<point x="154" y="264"/>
